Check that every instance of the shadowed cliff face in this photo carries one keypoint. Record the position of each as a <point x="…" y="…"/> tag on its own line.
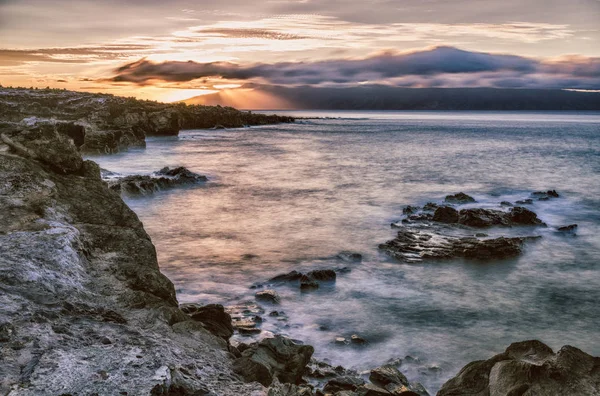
<point x="109" y="124"/>
<point x="84" y="305"/>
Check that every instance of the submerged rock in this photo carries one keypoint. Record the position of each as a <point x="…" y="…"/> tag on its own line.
<point x="144" y="185"/>
<point x="408" y="210"/>
<point x="430" y="207"/>
<point x="568" y="229"/>
<point x="529" y="368"/>
<point x="277" y="357"/>
<point x="460" y="198"/>
<point x="350" y="257"/>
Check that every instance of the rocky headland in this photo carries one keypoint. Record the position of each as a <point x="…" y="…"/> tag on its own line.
<point x="86" y="310"/>
<point x="107" y="124"/>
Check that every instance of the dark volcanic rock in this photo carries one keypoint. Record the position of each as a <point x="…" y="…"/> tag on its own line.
<point x="460" y="198"/>
<point x="529" y="368"/>
<point x="413" y="246"/>
<point x="277" y="357"/>
<point x="326" y="275"/>
<point x="483" y="218"/>
<point x="144" y="185"/>
<point x="522" y="216"/>
<point x="213" y="317"/>
<point x="446" y="214"/>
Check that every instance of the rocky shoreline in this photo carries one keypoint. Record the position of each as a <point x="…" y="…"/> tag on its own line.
<point x="87" y="311"/>
<point x="103" y="123"/>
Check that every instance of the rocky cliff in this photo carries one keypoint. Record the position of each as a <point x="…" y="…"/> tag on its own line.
<point x="85" y="309"/>
<point x="110" y="123"/>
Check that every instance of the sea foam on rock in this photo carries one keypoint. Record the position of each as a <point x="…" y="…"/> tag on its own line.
<point x="148" y="184"/>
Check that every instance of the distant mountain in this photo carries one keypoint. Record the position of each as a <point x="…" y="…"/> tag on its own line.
<point x="375" y="97"/>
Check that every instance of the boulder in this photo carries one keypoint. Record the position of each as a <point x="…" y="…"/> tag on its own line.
<point x="212" y="316"/>
<point x="268" y="295"/>
<point x="350" y="257"/>
<point x="326" y="275"/>
<point x="460" y="198"/>
<point x="446" y="214"/>
<point x="522" y="216"/>
<point x="529" y="368"/>
<point x="387" y="374"/>
<point x="277" y="357"/>
<point x="483" y="218"/>
<point x="345" y="383"/>
<point x="289" y="277"/>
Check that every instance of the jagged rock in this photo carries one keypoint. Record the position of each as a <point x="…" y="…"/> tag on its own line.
<point x="277" y="357"/>
<point x="529" y="368"/>
<point x="345" y="383"/>
<point x="268" y="296"/>
<point x="483" y="218"/>
<point x="144" y="185"/>
<point x="460" y="198"/>
<point x="387" y="374"/>
<point x="47" y="143"/>
<point x="445" y="214"/>
<point x="212" y="316"/>
<point x="371" y="390"/>
<point x="413" y="246"/>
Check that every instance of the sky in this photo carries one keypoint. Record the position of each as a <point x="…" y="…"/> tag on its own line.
<point x="174" y="50"/>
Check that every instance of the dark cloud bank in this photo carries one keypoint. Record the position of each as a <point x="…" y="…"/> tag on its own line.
<point x="443" y="67"/>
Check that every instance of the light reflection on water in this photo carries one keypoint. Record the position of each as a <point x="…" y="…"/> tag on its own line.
<point x="296" y="195"/>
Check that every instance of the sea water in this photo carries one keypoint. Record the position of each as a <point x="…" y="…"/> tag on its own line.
<point x="292" y="196"/>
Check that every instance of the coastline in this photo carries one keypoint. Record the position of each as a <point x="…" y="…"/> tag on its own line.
<point x="113" y="301"/>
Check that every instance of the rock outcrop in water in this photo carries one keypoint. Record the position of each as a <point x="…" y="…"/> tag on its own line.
<point x="149" y="184"/>
<point x="111" y="123"/>
<point x="529" y="368"/>
<point x="449" y="233"/>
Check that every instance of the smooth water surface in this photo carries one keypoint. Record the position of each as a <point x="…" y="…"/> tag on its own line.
<point x="287" y="197"/>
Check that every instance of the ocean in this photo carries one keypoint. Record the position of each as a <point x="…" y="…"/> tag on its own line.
<point x="293" y="196"/>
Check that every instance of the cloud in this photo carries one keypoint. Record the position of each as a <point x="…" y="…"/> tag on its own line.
<point x="436" y="67"/>
<point x="12" y="57"/>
